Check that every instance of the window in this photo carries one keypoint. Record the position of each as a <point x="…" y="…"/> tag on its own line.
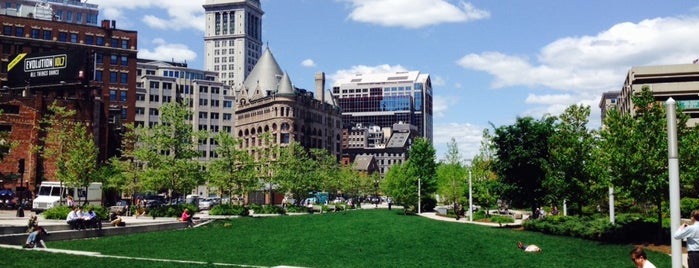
<point x="154" y="84"/>
<point x="227" y="104"/>
<point x="153" y="111"/>
<point x="122" y="96"/>
<point x="115" y="42"/>
<point x="113" y="60"/>
<point x="140" y="97"/>
<point x="125" y="44"/>
<point x="112" y="77"/>
<point x="98" y="75"/>
<point x="7" y="30"/>
<point x="19" y="31"/>
<point x="227" y="117"/>
<point x="214" y="115"/>
<point x="69" y="16"/>
<point x="112" y="95"/>
<point x="154" y="98"/>
<point x="140" y="110"/>
<point x="100" y="40"/>
<point x="124" y="61"/>
<point x="89" y="39"/>
<point x="73" y="38"/>
<point x="123" y="113"/>
<point x="79" y="17"/>
<point x="62" y="36"/>
<point x="47" y="35"/>
<point x="99" y="58"/>
<point x="124" y="79"/>
<point x="35" y="33"/>
<point x="203" y="115"/>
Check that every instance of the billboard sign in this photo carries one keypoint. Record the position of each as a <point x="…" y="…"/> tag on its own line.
<point x="46" y="68"/>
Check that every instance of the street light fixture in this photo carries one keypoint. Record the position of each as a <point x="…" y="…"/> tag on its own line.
<point x="468" y="163"/>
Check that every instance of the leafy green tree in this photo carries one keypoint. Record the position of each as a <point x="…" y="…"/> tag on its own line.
<point x="451" y="176"/>
<point x="522" y="159"/>
<point x="571" y="175"/>
<point x="122" y="174"/>
<point x="233" y="172"/>
<point x="400" y="185"/>
<point x="294" y="169"/>
<point x="636" y="148"/>
<point x="486" y="186"/>
<point x="70" y="145"/>
<point x="168" y="151"/>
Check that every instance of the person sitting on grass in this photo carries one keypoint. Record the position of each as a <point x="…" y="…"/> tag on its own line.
<point x="528" y="248"/>
<point x="187" y="218"/>
<point x="638" y="256"/>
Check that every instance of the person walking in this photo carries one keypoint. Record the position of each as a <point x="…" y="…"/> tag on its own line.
<point x="691" y="233"/>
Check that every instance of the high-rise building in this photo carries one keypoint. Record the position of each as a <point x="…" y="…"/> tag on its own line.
<point x="386" y="99"/>
<point x="70" y="11"/>
<point x="210" y="101"/>
<point x="679" y="81"/>
<point x="232" y="38"/>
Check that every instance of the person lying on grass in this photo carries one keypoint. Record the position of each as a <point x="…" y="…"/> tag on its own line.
<point x="528" y="248"/>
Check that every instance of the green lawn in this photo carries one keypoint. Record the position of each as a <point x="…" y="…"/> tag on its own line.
<point x="364" y="238"/>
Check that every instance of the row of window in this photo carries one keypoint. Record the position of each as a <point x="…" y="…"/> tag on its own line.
<point x="205" y="115"/>
<point x="63" y="36"/>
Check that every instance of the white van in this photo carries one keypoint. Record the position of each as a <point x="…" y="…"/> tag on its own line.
<point x="50" y="193"/>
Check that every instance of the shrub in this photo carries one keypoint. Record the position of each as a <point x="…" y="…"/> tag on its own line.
<point x="57" y="213"/>
<point x="630" y="227"/>
<point x="267" y="209"/>
<point x="61" y="212"/>
<point x="228" y="209"/>
<point x="171" y="210"/>
<point x="297" y="209"/>
<point x="501" y="219"/>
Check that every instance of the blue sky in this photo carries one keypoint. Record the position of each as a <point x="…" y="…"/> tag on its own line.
<point x="490" y="61"/>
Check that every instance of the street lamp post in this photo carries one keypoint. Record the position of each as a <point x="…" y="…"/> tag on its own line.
<point x="470" y="196"/>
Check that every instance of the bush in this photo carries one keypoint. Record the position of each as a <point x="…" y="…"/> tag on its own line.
<point x="57" y="213"/>
<point x="61" y="212"/>
<point x="172" y="210"/>
<point x="267" y="209"/>
<point x="228" y="209"/>
<point x="296" y="209"/>
<point x="629" y="227"/>
<point x="501" y="219"/>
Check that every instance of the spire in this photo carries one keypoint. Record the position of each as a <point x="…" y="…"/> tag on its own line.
<point x="265" y="74"/>
<point x="285" y="86"/>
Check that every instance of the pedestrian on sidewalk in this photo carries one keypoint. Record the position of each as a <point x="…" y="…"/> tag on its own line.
<point x="691" y="233"/>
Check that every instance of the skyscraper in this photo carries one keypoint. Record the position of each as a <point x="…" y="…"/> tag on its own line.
<point x="386" y="99"/>
<point x="232" y="39"/>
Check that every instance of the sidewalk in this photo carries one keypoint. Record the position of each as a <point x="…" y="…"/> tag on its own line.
<point x="434" y="216"/>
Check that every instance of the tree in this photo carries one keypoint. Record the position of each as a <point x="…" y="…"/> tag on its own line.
<point x="294" y="169"/>
<point x="233" y="172"/>
<point x="168" y="151"/>
<point x="419" y="171"/>
<point x="486" y="187"/>
<point x="571" y="174"/>
<point x="266" y="162"/>
<point x="522" y="159"/>
<point x="71" y="146"/>
<point x="451" y="176"/>
<point x="123" y="173"/>
<point x="636" y="148"/>
<point x="399" y="184"/>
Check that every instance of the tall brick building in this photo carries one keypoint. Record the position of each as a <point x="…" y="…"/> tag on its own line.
<point x="109" y="68"/>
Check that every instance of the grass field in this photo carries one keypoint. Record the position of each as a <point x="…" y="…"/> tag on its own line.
<point x="363" y="238"/>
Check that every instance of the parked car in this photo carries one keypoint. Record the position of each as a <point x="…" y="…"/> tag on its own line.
<point x="206" y="203"/>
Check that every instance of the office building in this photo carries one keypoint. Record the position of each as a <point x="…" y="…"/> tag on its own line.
<point x="387" y="98"/>
<point x="680" y="81"/>
<point x="232" y="38"/>
<point x="210" y="101"/>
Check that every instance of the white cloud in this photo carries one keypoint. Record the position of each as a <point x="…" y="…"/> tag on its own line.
<point x="168" y="52"/>
<point x="549" y="99"/>
<point x="178" y="15"/>
<point x="363" y="69"/>
<point x="438" y="81"/>
<point x="308" y="63"/>
<point x="415" y="14"/>
<point x="467" y="136"/>
<point x="584" y="67"/>
<point x="441" y="104"/>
